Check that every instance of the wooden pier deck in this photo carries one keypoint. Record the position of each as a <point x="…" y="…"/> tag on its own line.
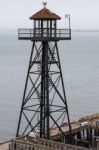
<point x="5" y="145"/>
<point x="86" y="122"/>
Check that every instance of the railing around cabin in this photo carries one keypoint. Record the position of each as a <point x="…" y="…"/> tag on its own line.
<point x="43" y="33"/>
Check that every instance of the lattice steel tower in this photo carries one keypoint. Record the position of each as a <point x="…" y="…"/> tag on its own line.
<point x="44" y="106"/>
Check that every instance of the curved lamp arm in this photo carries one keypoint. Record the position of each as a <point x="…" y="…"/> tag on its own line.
<point x="67" y="16"/>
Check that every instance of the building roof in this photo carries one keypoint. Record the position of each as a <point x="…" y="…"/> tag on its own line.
<point x="45" y="14"/>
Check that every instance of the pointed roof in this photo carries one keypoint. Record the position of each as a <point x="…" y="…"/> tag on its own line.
<point x="45" y="14"/>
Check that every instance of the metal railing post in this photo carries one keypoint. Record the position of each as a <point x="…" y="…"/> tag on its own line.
<point x="11" y="145"/>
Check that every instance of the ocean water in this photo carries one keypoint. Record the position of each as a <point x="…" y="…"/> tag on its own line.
<point x="80" y="67"/>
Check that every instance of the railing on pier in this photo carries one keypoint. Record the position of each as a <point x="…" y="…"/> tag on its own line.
<point x="89" y="118"/>
<point x="42" y="144"/>
<point x="43" y="34"/>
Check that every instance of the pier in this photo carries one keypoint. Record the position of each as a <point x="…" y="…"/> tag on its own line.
<point x="27" y="143"/>
<point x="88" y="122"/>
<point x="83" y="130"/>
<point x="5" y="145"/>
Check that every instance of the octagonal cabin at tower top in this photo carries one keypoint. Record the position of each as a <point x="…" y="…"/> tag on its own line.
<point x="45" y="27"/>
<point x="45" y="19"/>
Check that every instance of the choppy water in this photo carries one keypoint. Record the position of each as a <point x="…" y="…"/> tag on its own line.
<point x="80" y="63"/>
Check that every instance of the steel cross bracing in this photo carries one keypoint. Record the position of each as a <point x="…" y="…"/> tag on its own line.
<point x="44" y="103"/>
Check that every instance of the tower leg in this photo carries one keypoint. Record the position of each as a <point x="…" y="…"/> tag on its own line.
<point x="20" y="116"/>
<point x="64" y="91"/>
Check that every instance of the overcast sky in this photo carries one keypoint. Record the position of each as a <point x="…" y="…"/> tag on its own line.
<point x="15" y="13"/>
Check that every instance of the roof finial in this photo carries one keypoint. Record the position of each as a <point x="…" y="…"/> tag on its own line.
<point x="44" y="3"/>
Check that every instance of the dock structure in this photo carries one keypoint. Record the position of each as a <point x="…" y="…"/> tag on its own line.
<point x="28" y="143"/>
<point x="91" y="121"/>
<point x="84" y="129"/>
<point x="5" y="145"/>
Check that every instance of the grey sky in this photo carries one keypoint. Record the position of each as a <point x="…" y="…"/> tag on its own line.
<point x="15" y="13"/>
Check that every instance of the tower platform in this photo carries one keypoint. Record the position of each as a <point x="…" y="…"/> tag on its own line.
<point x="46" y="35"/>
